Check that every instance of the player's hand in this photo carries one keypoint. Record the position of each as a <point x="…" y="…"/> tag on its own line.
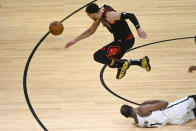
<point x="141" y="33"/>
<point x="70" y="43"/>
<point x="192" y="68"/>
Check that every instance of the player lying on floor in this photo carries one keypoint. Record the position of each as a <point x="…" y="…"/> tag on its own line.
<point x="157" y="113"/>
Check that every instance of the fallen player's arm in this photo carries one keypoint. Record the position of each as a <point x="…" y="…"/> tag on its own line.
<point x="147" y="109"/>
<point x="150" y="102"/>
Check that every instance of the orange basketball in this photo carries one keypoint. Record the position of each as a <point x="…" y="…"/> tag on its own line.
<point x="56" y="28"/>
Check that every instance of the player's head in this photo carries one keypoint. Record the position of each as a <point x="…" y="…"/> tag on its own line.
<point x="126" y="110"/>
<point x="92" y="10"/>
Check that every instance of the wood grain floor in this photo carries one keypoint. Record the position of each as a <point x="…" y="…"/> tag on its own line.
<point x="64" y="86"/>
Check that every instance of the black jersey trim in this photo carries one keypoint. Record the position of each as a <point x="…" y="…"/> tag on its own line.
<point x="177" y="103"/>
<point x="107" y="8"/>
<point x="156" y="124"/>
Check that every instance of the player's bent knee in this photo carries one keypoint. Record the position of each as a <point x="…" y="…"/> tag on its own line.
<point x="97" y="56"/>
<point x="100" y="57"/>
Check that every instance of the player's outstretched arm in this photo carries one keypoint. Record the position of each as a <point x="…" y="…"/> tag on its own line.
<point x="85" y="34"/>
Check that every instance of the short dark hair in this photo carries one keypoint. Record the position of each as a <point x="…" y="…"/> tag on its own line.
<point x="92" y="8"/>
<point x="126" y="110"/>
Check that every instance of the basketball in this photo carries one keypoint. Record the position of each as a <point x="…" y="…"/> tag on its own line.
<point x="56" y="28"/>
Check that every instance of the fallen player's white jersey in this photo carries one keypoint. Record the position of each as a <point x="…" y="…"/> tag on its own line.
<point x="177" y="112"/>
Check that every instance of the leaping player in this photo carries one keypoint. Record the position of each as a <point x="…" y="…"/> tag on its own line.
<point x="112" y="53"/>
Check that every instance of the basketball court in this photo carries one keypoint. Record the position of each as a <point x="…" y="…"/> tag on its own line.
<point x="64" y="85"/>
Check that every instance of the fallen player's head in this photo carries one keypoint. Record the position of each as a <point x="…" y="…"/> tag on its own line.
<point x="126" y="110"/>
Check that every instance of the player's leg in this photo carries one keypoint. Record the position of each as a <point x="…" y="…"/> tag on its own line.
<point x="126" y="45"/>
<point x="188" y="116"/>
<point x="111" y="55"/>
<point x="191" y="114"/>
<point x="194" y="111"/>
<point x="181" y="110"/>
<point x="194" y="98"/>
<point x="106" y="56"/>
<point x="100" y="57"/>
<point x="187" y="104"/>
<point x="145" y="63"/>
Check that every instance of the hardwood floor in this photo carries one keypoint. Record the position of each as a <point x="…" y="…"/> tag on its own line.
<point x="63" y="84"/>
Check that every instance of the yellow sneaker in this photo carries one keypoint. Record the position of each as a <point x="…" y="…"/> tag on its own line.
<point x="145" y="63"/>
<point x="122" y="71"/>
